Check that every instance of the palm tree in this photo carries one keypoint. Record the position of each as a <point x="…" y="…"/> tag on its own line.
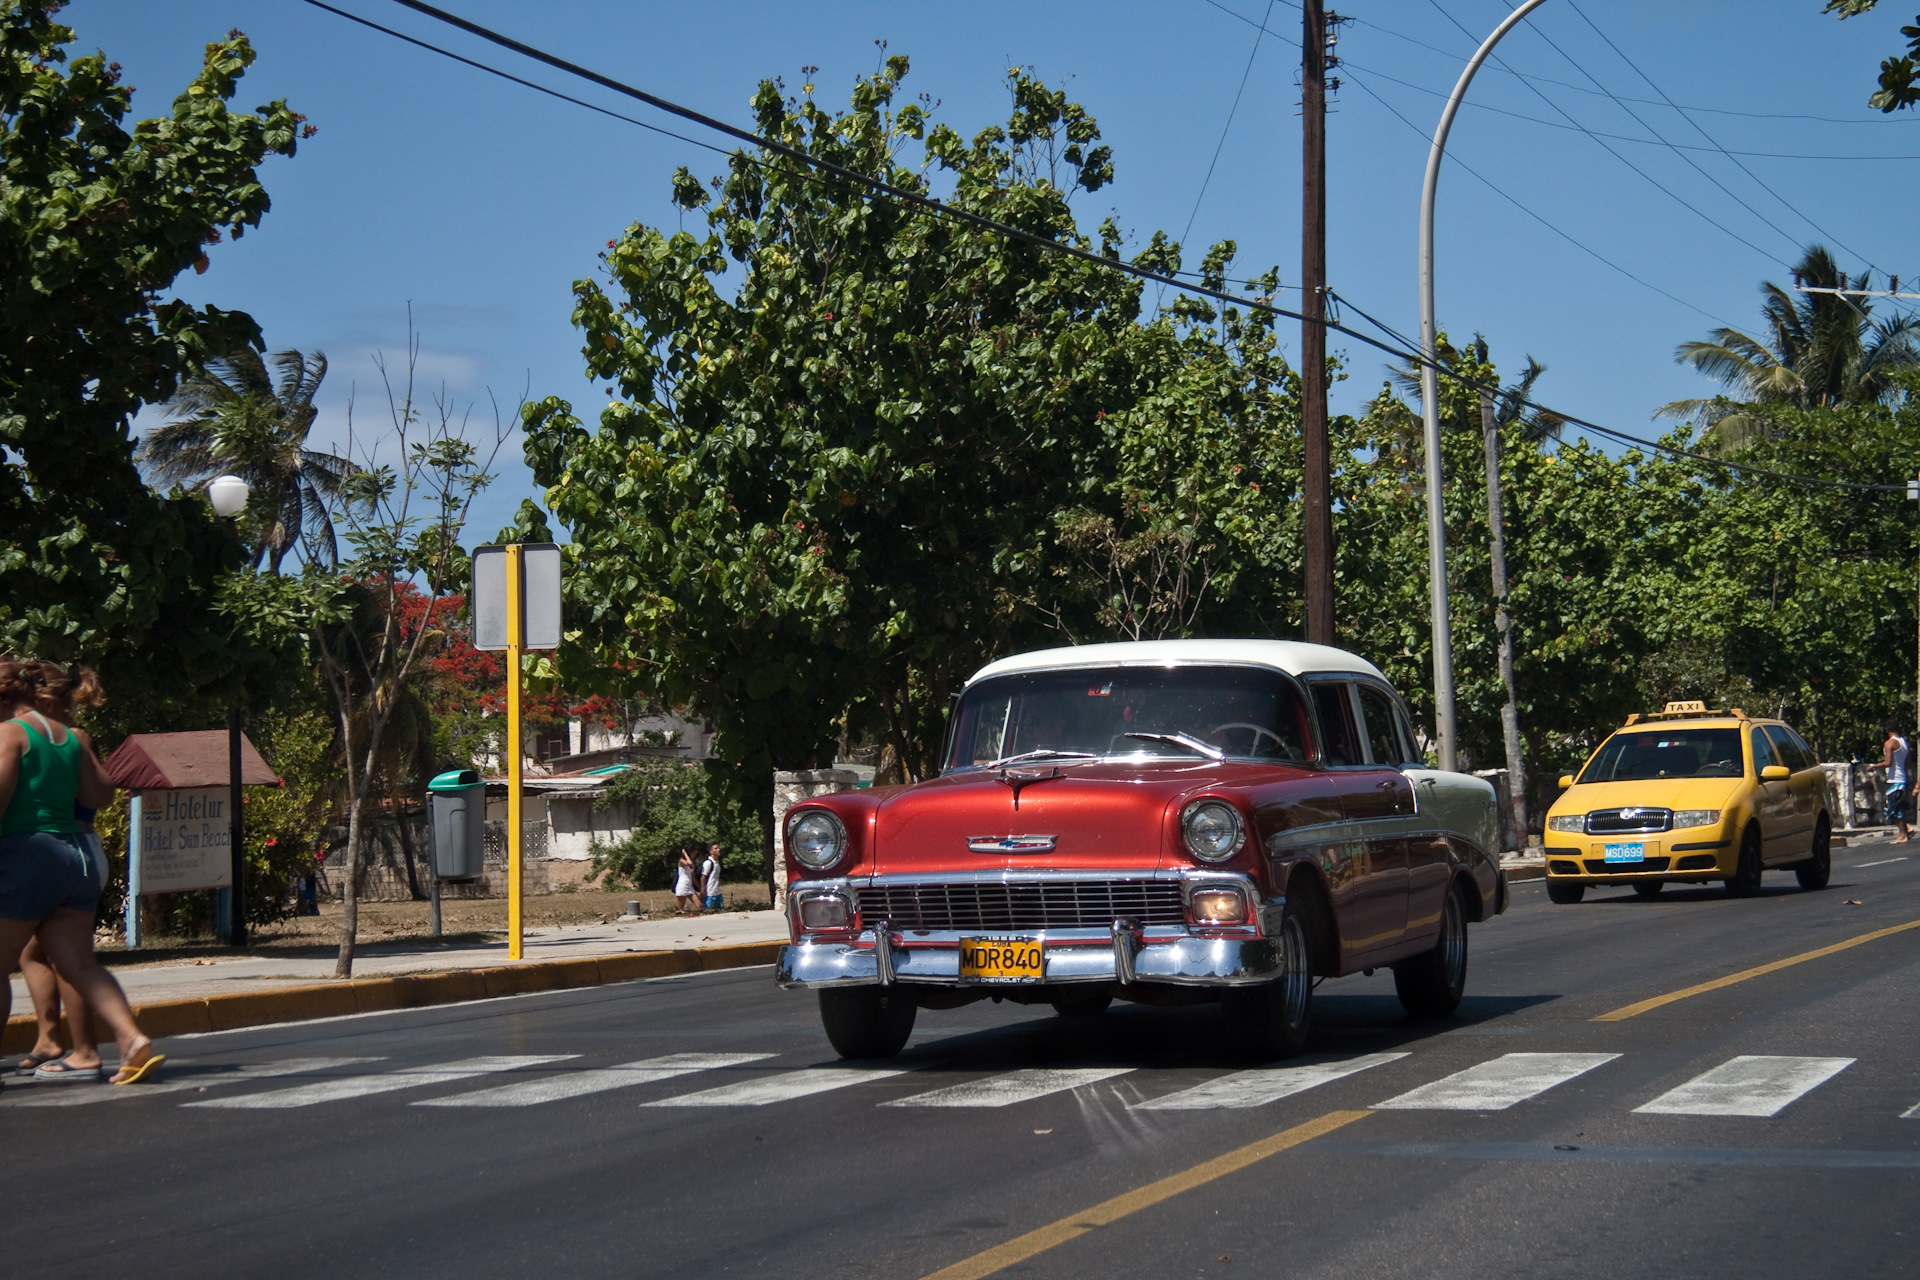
<point x="234" y="419"/>
<point x="1819" y="350"/>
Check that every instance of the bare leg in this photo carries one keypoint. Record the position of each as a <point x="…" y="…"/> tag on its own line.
<point x="14" y="936"/>
<point x="67" y="936"/>
<point x="44" y="989"/>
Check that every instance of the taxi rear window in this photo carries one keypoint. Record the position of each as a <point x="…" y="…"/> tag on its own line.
<point x="1667" y="753"/>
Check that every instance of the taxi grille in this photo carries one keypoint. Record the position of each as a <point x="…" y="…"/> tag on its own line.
<point x="1026" y="904"/>
<point x="1611" y="822"/>
<point x="1601" y="867"/>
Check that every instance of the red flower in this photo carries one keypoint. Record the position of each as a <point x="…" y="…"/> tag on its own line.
<point x="272" y="840"/>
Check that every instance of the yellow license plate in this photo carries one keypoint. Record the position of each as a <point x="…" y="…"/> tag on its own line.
<point x="1002" y="959"/>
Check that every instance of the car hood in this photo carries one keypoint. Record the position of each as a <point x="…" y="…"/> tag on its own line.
<point x="1654" y="793"/>
<point x="1099" y="816"/>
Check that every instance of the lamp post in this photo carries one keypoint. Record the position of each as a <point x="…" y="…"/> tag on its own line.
<point x="228" y="496"/>
<point x="1443" y="722"/>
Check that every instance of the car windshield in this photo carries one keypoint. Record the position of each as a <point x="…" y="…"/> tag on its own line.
<point x="1246" y="712"/>
<point x="1667" y="753"/>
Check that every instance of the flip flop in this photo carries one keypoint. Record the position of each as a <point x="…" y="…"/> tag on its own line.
<point x="31" y="1063"/>
<point x="59" y="1069"/>
<point x="134" y="1073"/>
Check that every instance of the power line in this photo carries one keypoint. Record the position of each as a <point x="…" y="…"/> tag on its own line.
<point x="1703" y="133"/>
<point x="940" y="209"/>
<point x="1487" y="182"/>
<point x="1602" y="143"/>
<point x="1378" y="74"/>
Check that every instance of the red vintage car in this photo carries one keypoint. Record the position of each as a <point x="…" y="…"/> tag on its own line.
<point x="1166" y="822"/>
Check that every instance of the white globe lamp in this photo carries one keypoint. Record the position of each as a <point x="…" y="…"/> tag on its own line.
<point x="228" y="494"/>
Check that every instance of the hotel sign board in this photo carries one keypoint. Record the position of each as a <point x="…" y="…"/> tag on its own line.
<point x="184" y="839"/>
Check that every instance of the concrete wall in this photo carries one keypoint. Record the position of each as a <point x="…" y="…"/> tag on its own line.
<point x="790" y="789"/>
<point x="575" y="825"/>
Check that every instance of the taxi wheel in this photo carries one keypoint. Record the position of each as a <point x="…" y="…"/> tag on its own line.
<point x="1089" y="1005"/>
<point x="1430" y="985"/>
<point x="1648" y="889"/>
<point x="1745" y="880"/>
<point x="1566" y="894"/>
<point x="1813" y="873"/>
<point x="1272" y="1020"/>
<point x="866" y="1022"/>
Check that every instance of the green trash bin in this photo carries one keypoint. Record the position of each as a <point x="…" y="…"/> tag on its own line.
<point x="457" y="818"/>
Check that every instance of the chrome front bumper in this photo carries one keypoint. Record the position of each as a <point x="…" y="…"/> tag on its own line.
<point x="1127" y="958"/>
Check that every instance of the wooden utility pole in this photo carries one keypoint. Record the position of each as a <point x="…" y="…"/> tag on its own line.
<point x="1502" y="623"/>
<point x="1316" y="489"/>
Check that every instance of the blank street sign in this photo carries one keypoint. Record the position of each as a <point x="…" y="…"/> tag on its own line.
<point x="539" y="596"/>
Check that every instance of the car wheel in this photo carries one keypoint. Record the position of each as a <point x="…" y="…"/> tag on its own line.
<point x="866" y="1022"/>
<point x="1745" y="880"/>
<point x="1564" y="892"/>
<point x="1648" y="889"/>
<point x="1272" y="1020"/>
<point x="1430" y="985"/>
<point x="1084" y="1004"/>
<point x="1813" y="873"/>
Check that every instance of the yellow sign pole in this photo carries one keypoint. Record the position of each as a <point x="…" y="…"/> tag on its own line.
<point x="516" y="632"/>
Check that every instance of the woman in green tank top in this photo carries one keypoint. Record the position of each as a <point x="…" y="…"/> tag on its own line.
<point x="48" y="883"/>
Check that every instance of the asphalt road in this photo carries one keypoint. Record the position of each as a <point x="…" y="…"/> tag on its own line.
<point x="674" y="1127"/>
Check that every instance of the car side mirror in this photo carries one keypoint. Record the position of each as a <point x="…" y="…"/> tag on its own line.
<point x="1775" y="773"/>
<point x="1566" y="780"/>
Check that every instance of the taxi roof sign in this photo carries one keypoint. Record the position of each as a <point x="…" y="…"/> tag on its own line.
<point x="1693" y="708"/>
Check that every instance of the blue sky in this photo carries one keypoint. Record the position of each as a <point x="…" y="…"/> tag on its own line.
<point x="477" y="203"/>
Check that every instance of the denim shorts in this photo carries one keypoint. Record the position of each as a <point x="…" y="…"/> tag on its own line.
<point x="41" y="872"/>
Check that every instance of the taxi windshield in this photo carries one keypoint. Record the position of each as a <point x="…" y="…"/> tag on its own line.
<point x="1667" y="753"/>
<point x="1244" y="712"/>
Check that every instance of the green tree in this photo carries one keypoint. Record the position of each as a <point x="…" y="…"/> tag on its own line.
<point x="97" y="218"/>
<point x="236" y="419"/>
<point x="831" y="487"/>
<point x="1819" y="349"/>
<point x="1899" y="74"/>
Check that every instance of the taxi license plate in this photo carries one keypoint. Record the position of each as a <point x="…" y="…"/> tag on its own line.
<point x="1002" y="959"/>
<point x="1627" y="851"/>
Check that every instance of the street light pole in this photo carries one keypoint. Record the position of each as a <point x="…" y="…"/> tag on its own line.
<point x="228" y="496"/>
<point x="1444" y="728"/>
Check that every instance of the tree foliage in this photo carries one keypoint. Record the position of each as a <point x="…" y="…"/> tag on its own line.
<point x="97" y="218"/>
<point x="1899" y="74"/>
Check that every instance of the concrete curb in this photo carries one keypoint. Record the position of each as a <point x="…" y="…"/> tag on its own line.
<point x="161" y="1018"/>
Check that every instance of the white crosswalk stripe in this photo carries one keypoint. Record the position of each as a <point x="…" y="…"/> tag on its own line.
<point x="1749" y="1085"/>
<point x="362" y="1086"/>
<point x="1013" y="1086"/>
<point x="71" y="1095"/>
<point x="784" y="1087"/>
<point x="575" y="1084"/>
<point x="1494" y="1086"/>
<point x="1267" y="1084"/>
<point x="1911" y="1113"/>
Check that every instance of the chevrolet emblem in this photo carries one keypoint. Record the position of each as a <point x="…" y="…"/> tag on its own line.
<point x="1010" y="844"/>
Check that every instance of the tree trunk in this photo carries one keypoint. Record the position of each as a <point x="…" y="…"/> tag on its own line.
<point x="406" y="852"/>
<point x="1503" y="624"/>
<point x="350" y="890"/>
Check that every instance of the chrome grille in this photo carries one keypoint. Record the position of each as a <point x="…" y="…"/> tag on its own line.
<point x="1024" y="904"/>
<point x="1611" y="822"/>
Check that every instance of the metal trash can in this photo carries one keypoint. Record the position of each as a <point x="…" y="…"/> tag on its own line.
<point x="457" y="808"/>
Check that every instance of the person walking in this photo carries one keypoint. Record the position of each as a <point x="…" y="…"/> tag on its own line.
<point x="49" y="883"/>
<point x="685" y="896"/>
<point x="710" y="878"/>
<point x="1897" y="757"/>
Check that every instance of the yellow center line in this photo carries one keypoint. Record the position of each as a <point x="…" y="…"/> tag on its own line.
<point x="1020" y="1248"/>
<point x="1634" y="1010"/>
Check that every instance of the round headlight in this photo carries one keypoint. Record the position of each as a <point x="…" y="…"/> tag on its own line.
<point x="1212" y="828"/>
<point x="816" y="839"/>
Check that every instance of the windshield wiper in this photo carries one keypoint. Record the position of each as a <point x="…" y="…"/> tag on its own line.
<point x="1191" y="743"/>
<point x="1044" y="753"/>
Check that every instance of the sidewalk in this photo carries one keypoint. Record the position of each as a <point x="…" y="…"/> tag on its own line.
<point x="214" y="974"/>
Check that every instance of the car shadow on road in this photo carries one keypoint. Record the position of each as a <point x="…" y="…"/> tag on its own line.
<point x="1197" y="1036"/>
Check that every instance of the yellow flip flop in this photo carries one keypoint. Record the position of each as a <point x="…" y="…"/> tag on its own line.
<point x="140" y="1070"/>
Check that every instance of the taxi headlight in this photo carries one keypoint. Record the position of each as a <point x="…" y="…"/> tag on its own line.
<point x="1218" y="904"/>
<point x="1696" y="817"/>
<point x="1568" y="822"/>
<point x="816" y="839"/>
<point x="1212" y="829"/>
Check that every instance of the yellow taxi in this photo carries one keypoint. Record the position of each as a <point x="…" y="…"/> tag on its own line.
<point x="1690" y="795"/>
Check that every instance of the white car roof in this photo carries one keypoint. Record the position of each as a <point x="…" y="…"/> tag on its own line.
<point x="1292" y="656"/>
